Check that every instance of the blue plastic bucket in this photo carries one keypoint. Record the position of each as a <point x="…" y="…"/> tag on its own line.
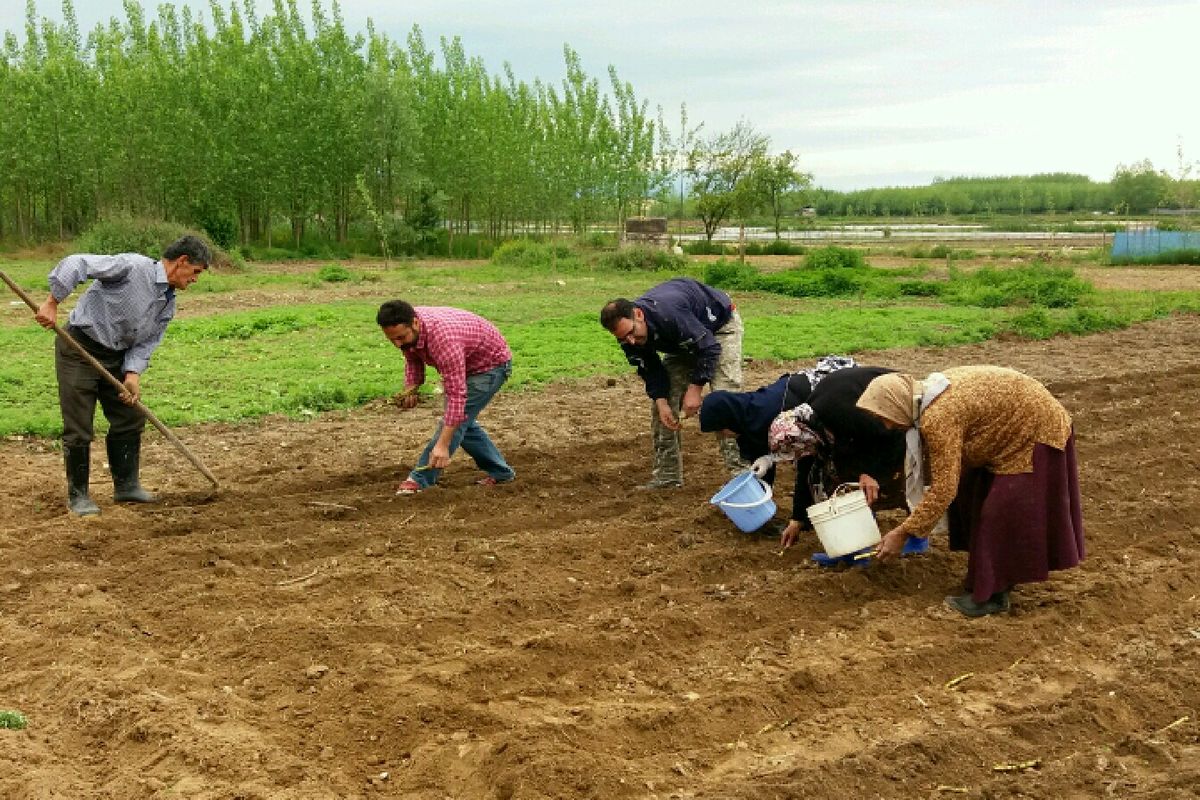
<point x="746" y="500"/>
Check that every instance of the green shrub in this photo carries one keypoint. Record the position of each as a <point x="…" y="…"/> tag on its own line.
<point x="910" y="271"/>
<point x="1090" y="320"/>
<point x="256" y="253"/>
<point x="702" y="247"/>
<point x="1037" y="284"/>
<point x="638" y="258"/>
<point x="920" y="288"/>
<point x="125" y="234"/>
<point x="462" y="246"/>
<point x="596" y="240"/>
<point x="1032" y="324"/>
<point x="774" y="247"/>
<point x="782" y="247"/>
<point x="834" y="257"/>
<point x="731" y="275"/>
<point x="530" y="254"/>
<point x="334" y="273"/>
<point x="320" y="398"/>
<point x="936" y="251"/>
<point x="1039" y="323"/>
<point x="829" y="282"/>
<point x="229" y="261"/>
<point x="217" y="222"/>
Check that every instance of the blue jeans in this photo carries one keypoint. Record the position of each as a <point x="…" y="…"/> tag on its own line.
<point x="481" y="388"/>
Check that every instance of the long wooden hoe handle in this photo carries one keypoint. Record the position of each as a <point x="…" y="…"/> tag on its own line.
<point x="66" y="337"/>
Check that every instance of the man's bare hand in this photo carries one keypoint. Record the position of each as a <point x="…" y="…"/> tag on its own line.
<point x="47" y="313"/>
<point x="133" y="389"/>
<point x="409" y="398"/>
<point x="439" y="456"/>
<point x="665" y="415"/>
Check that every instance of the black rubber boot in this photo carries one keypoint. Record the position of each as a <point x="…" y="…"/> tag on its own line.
<point x="124" y="454"/>
<point x="966" y="606"/>
<point x="78" y="461"/>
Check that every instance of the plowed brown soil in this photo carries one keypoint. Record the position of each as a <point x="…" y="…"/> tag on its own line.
<point x="304" y="633"/>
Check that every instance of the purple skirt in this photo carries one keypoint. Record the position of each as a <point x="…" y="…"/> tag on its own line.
<point x="1017" y="528"/>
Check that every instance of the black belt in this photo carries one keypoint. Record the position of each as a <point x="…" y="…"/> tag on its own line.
<point x="90" y="344"/>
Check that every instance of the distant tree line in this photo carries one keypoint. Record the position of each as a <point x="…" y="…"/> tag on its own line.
<point x="245" y="121"/>
<point x="1135" y="189"/>
<point x="244" y="124"/>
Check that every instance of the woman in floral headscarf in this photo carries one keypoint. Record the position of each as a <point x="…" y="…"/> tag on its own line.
<point x="747" y="416"/>
<point x="832" y="441"/>
<point x="1001" y="454"/>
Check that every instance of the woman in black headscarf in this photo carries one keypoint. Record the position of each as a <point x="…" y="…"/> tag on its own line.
<point x="833" y="441"/>
<point x="748" y="415"/>
<point x="812" y="418"/>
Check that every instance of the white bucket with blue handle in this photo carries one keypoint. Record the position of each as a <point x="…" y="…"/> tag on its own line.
<point x="746" y="500"/>
<point x="844" y="523"/>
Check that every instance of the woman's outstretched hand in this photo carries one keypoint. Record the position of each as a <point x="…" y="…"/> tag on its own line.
<point x="891" y="545"/>
<point x="789" y="536"/>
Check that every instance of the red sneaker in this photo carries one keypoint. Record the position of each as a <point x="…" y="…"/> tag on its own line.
<point x="490" y="481"/>
<point x="408" y="486"/>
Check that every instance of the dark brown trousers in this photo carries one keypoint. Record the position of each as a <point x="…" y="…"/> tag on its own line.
<point x="80" y="386"/>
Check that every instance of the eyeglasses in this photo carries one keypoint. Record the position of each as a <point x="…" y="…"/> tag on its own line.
<point x="628" y="336"/>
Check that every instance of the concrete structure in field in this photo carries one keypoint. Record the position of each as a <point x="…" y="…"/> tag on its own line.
<point x="651" y="231"/>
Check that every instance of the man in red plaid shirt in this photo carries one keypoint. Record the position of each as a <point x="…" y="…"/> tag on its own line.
<point x="474" y="361"/>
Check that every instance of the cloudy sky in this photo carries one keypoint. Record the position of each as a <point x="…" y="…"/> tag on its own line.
<point x="867" y="93"/>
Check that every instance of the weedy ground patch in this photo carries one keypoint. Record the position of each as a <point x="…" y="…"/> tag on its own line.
<point x="13" y="720"/>
<point x="296" y="340"/>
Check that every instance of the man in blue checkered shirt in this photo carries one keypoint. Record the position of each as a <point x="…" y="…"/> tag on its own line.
<point x="120" y="320"/>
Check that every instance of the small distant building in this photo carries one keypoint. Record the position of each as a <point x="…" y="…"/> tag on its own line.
<point x="808" y="211"/>
<point x="650" y="231"/>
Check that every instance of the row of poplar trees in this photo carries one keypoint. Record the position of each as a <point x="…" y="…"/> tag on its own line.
<point x="282" y="118"/>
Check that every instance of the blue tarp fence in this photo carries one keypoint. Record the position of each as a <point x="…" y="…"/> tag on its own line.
<point x="1131" y="244"/>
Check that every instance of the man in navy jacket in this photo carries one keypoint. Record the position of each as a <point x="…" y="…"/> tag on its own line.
<point x="698" y="333"/>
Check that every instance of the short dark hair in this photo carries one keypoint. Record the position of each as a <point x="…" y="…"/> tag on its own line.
<point x="191" y="246"/>
<point x="395" y="312"/>
<point x="614" y="311"/>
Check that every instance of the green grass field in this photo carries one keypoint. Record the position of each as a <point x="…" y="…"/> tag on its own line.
<point x="282" y="340"/>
